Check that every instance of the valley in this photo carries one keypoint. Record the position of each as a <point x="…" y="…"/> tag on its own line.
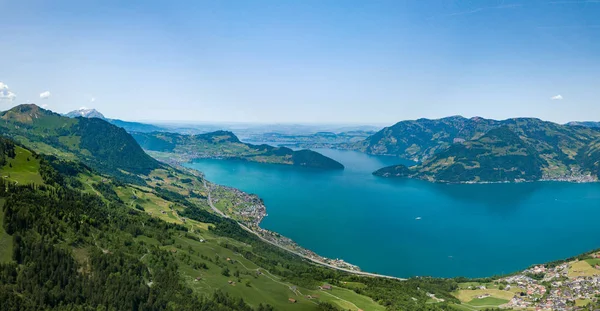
<point x="299" y="155"/>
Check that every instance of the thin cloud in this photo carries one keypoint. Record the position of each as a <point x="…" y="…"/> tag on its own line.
<point x="556" y="97"/>
<point x="93" y="99"/>
<point x="45" y="95"/>
<point x="482" y="9"/>
<point x="5" y="93"/>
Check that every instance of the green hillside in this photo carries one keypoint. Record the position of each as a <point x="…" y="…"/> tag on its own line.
<point x="499" y="155"/>
<point x="480" y="150"/>
<point x="420" y="139"/>
<point x="590" y="157"/>
<point x="225" y="145"/>
<point x="97" y="143"/>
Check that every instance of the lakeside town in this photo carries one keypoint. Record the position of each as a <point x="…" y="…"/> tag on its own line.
<point x="566" y="286"/>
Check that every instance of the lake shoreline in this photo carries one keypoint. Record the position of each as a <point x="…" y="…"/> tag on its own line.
<point x="253" y="218"/>
<point x="408" y="228"/>
<point x="582" y="179"/>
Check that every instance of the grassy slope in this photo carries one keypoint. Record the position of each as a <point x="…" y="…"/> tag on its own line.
<point x="263" y="288"/>
<point x="487" y="302"/>
<point x="23" y="171"/>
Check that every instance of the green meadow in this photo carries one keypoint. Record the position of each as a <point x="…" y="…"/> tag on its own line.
<point x="23" y="169"/>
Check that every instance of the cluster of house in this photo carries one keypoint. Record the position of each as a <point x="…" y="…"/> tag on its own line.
<point x="246" y="207"/>
<point x="558" y="292"/>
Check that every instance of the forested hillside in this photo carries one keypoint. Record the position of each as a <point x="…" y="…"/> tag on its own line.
<point x="94" y="141"/>
<point x="419" y="139"/>
<point x="499" y="155"/>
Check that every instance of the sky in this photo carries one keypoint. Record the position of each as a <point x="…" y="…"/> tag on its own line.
<point x="304" y="61"/>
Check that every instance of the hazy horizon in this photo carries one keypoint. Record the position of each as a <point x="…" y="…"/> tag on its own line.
<point x="284" y="123"/>
<point x="305" y="62"/>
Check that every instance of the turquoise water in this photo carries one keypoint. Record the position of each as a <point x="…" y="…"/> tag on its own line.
<point x="464" y="230"/>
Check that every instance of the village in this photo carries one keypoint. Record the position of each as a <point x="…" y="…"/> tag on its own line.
<point x="566" y="286"/>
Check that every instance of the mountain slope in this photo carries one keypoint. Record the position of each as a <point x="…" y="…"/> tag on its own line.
<point x="499" y="155"/>
<point x="419" y="139"/>
<point x="555" y="146"/>
<point x="589" y="157"/>
<point x="584" y="123"/>
<point x="224" y="144"/>
<point x="103" y="146"/>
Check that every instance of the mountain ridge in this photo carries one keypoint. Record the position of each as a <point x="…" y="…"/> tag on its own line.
<point x="437" y="144"/>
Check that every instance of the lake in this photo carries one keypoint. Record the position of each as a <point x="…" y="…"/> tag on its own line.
<point x="414" y="228"/>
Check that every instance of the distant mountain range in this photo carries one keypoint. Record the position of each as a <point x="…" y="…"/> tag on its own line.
<point x="85" y="113"/>
<point x="224" y="144"/>
<point x="218" y="144"/>
<point x="127" y="125"/>
<point x="457" y="149"/>
<point x="452" y="149"/>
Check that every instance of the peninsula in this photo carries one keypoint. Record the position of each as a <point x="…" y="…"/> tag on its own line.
<point x="225" y="145"/>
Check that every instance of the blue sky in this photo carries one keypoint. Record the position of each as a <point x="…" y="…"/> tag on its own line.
<point x="317" y="61"/>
